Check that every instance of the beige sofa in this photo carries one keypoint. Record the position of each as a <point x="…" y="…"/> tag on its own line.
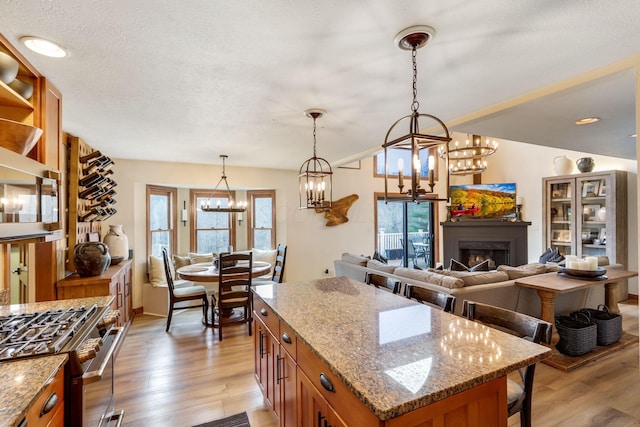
<point x="495" y="287"/>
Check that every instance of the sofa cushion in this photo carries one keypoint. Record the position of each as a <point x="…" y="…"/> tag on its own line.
<point x="430" y="277"/>
<point x="524" y="270"/>
<point x="378" y="257"/>
<point x="380" y="266"/>
<point x="355" y="259"/>
<point x="472" y="278"/>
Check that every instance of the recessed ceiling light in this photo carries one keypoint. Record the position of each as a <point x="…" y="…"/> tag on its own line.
<point x="587" y="120"/>
<point x="44" y="47"/>
<point x="635" y="135"/>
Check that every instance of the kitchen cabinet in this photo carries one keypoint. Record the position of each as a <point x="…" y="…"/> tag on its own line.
<point x="116" y="281"/>
<point x="48" y="408"/>
<point x="314" y="410"/>
<point x="275" y="364"/>
<point x="586" y="214"/>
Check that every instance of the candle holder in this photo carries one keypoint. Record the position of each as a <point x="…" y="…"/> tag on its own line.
<point x="518" y="213"/>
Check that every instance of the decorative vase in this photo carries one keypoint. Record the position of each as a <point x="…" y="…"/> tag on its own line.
<point x="562" y="165"/>
<point x="117" y="241"/>
<point x="91" y="258"/>
<point x="585" y="164"/>
<point x="602" y="214"/>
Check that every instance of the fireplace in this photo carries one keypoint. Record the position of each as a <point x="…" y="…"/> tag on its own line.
<point x="473" y="241"/>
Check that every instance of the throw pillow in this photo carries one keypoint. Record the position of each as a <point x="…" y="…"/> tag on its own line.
<point x="155" y="270"/>
<point x="378" y="257"/>
<point x="417" y="267"/>
<point x="180" y="261"/>
<point x="354" y="259"/>
<point x="483" y="266"/>
<point x="455" y="265"/>
<point x="198" y="258"/>
<point x="546" y="256"/>
<point x="268" y="255"/>
<point x="380" y="266"/>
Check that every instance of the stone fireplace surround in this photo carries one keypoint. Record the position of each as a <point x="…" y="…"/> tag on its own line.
<point x="503" y="242"/>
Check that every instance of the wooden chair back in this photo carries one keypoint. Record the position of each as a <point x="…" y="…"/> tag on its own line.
<point x="428" y="296"/>
<point x="234" y="289"/>
<point x="278" y="268"/>
<point x="382" y="282"/>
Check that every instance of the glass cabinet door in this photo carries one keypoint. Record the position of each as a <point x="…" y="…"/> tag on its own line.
<point x="592" y="224"/>
<point x="560" y="217"/>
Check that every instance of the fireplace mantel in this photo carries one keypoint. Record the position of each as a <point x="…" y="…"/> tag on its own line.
<point x="513" y="234"/>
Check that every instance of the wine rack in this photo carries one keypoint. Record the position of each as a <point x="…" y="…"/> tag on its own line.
<point x="91" y="192"/>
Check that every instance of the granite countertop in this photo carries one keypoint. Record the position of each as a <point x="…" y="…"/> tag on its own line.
<point x="22" y="380"/>
<point x="394" y="354"/>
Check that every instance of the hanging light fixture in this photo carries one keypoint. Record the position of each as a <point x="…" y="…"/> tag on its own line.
<point x="231" y="207"/>
<point x="471" y="157"/>
<point x="412" y="143"/>
<point x="315" y="174"/>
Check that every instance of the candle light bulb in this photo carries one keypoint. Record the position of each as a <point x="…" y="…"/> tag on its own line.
<point x="432" y="163"/>
<point x="400" y="166"/>
<point x="218" y="204"/>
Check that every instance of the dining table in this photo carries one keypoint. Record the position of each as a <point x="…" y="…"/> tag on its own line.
<point x="207" y="272"/>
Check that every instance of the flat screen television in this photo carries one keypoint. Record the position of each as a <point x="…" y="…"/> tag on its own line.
<point x="483" y="201"/>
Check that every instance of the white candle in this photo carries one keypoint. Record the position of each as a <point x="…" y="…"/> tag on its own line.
<point x="582" y="264"/>
<point x="518" y="200"/>
<point x="592" y="262"/>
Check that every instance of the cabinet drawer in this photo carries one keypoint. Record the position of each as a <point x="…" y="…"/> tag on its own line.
<point x="288" y="339"/>
<point x="55" y="386"/>
<point x="266" y="314"/>
<point x="341" y="399"/>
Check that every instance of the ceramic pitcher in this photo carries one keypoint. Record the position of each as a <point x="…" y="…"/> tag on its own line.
<point x="117" y="241"/>
<point x="562" y="165"/>
<point x="91" y="258"/>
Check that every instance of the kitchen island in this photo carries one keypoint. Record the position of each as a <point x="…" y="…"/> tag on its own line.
<point x="358" y="355"/>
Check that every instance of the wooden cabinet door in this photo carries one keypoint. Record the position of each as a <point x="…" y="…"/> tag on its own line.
<point x="286" y="378"/>
<point x="262" y="366"/>
<point x="313" y="410"/>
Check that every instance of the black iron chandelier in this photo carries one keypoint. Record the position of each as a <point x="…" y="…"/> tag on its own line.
<point x="410" y="145"/>
<point x="315" y="175"/>
<point x="231" y="206"/>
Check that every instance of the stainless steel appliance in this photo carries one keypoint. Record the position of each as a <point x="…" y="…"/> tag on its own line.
<point x="88" y="336"/>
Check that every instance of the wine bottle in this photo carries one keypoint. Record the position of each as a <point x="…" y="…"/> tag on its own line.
<point x="90" y="156"/>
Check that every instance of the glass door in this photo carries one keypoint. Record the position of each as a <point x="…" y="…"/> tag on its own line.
<point x="560" y="217"/>
<point x="399" y="221"/>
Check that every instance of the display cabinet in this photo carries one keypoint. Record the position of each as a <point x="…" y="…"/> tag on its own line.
<point x="586" y="214"/>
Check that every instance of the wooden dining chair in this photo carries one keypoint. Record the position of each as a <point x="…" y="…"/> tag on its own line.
<point x="424" y="295"/>
<point x="382" y="282"/>
<point x="527" y="327"/>
<point x="234" y="291"/>
<point x="187" y="293"/>
<point x="278" y="267"/>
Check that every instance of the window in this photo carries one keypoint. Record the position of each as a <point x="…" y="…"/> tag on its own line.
<point x="161" y="218"/>
<point x="211" y="231"/>
<point x="400" y="221"/>
<point x="262" y="226"/>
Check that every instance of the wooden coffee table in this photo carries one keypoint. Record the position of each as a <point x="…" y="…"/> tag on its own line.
<point x="549" y="285"/>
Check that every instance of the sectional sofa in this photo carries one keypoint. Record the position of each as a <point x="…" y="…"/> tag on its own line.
<point x="496" y="287"/>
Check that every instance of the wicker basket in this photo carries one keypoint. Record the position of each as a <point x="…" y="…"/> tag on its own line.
<point x="609" y="324"/>
<point x="578" y="335"/>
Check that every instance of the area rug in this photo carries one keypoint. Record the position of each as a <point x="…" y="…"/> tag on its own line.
<point x="238" y="420"/>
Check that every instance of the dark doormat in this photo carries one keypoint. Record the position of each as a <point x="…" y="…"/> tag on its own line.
<point x="238" y="420"/>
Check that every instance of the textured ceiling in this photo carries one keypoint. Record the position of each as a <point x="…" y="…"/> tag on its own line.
<point x="187" y="81"/>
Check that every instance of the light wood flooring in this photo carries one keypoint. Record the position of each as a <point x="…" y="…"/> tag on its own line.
<point x="186" y="377"/>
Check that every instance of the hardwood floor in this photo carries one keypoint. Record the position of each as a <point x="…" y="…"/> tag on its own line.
<point x="186" y="377"/>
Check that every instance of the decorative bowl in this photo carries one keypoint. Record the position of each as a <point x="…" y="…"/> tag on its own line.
<point x="8" y="68"/>
<point x="115" y="260"/>
<point x="18" y="137"/>
<point x="582" y="273"/>
<point x="23" y="89"/>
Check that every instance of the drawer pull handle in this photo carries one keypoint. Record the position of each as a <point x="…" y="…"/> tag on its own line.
<point x="326" y="383"/>
<point x="49" y="404"/>
<point x="263" y="311"/>
<point x="286" y="338"/>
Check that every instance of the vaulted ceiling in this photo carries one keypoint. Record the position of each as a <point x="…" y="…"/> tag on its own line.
<point x="188" y="81"/>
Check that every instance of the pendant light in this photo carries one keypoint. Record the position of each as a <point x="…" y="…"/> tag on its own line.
<point x="410" y="145"/>
<point x="315" y="176"/>
<point x="231" y="207"/>
<point x="470" y="157"/>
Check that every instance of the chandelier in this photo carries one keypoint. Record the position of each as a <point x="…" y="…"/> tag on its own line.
<point x="315" y="174"/>
<point x="470" y="158"/>
<point x="410" y="145"/>
<point x="231" y="207"/>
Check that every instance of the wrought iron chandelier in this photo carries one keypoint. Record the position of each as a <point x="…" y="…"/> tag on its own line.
<point x="470" y="158"/>
<point x="231" y="207"/>
<point x="412" y="143"/>
<point x="315" y="176"/>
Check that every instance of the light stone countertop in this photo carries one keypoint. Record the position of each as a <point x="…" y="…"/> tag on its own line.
<point x="394" y="354"/>
<point x="23" y="379"/>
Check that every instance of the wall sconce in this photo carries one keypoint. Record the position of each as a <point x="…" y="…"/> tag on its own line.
<point x="184" y="215"/>
<point x="240" y="218"/>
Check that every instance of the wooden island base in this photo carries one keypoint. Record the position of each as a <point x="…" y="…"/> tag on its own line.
<point x="569" y="363"/>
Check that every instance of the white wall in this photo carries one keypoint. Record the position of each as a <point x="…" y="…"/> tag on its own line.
<point x="312" y="246"/>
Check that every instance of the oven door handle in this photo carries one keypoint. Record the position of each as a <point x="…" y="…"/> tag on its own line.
<point x="93" y="376"/>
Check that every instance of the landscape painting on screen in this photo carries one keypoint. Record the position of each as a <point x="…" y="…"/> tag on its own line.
<point x="483" y="200"/>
